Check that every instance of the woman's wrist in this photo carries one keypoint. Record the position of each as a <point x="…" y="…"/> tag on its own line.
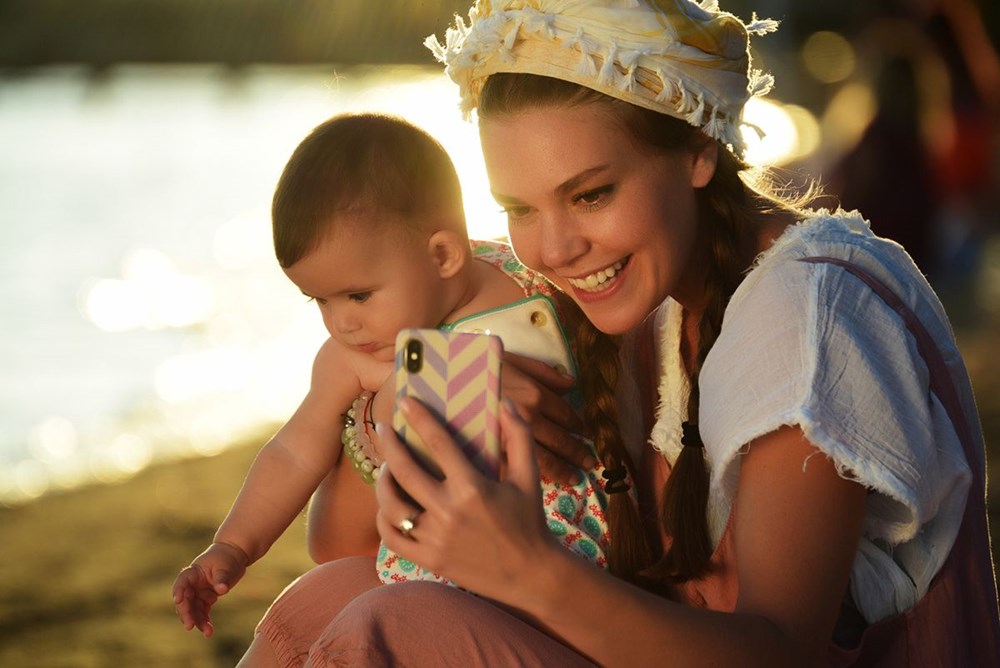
<point x="543" y="593"/>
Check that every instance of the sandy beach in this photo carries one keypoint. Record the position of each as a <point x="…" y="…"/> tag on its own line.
<point x="85" y="576"/>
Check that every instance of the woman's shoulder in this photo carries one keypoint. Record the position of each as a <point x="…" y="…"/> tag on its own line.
<point x="820" y="232"/>
<point x="846" y="238"/>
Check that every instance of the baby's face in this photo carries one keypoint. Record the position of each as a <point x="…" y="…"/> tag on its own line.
<point x="369" y="285"/>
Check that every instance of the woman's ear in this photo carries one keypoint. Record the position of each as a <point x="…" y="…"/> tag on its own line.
<point x="449" y="251"/>
<point x="706" y="157"/>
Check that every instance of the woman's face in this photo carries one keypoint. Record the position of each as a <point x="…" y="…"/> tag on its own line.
<point x="612" y="224"/>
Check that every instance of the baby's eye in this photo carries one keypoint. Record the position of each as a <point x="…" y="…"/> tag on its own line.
<point x="515" y="212"/>
<point x="318" y="300"/>
<point x="359" y="297"/>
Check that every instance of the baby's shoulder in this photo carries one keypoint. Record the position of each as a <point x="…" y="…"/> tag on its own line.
<point x="337" y="364"/>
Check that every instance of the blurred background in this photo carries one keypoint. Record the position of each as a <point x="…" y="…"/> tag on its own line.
<point x="149" y="341"/>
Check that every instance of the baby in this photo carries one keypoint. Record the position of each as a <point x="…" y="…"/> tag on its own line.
<point x="368" y="222"/>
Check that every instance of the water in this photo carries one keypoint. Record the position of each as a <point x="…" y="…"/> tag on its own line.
<point x="143" y="314"/>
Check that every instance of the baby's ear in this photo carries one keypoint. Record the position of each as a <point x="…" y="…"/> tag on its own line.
<point x="449" y="251"/>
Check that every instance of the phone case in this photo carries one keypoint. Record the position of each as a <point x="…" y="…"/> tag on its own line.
<point x="528" y="327"/>
<point x="457" y="376"/>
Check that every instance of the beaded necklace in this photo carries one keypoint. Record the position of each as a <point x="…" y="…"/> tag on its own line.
<point x="357" y="441"/>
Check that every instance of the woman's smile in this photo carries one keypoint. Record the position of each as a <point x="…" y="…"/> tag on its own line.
<point x="599" y="280"/>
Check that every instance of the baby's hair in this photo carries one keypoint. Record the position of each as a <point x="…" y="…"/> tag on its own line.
<point x="725" y="207"/>
<point x="369" y="167"/>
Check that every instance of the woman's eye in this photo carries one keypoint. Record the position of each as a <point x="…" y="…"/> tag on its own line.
<point x="359" y="297"/>
<point x="595" y="198"/>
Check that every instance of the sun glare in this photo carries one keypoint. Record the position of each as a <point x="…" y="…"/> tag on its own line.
<point x="778" y="133"/>
<point x="430" y="101"/>
<point x="151" y="294"/>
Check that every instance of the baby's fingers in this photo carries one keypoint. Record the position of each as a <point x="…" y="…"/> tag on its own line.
<point x="199" y="616"/>
<point x="186" y="580"/>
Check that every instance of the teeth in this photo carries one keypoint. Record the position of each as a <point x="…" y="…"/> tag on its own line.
<point x="596" y="281"/>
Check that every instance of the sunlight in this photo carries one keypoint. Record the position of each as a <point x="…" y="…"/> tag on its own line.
<point x="430" y="101"/>
<point x="787" y="132"/>
<point x="151" y="294"/>
<point x="776" y="141"/>
<point x="53" y="439"/>
<point x="130" y="452"/>
<point x="190" y="376"/>
<point x="244" y="241"/>
<point x="30" y="479"/>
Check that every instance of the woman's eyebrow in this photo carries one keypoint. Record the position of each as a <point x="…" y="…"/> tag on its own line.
<point x="574" y="182"/>
<point x="570" y="184"/>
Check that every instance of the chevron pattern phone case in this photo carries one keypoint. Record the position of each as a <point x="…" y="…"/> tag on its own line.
<point x="457" y="376"/>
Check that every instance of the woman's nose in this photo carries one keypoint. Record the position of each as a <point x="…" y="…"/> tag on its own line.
<point x="561" y="240"/>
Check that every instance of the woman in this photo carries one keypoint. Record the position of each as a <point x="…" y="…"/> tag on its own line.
<point x="813" y="476"/>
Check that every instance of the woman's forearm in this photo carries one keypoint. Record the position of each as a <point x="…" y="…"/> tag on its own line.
<point x="617" y="624"/>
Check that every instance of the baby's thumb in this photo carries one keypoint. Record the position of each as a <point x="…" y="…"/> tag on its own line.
<point x="221" y="581"/>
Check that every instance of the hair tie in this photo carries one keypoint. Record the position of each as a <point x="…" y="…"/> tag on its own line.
<point x="691" y="438"/>
<point x="616" y="480"/>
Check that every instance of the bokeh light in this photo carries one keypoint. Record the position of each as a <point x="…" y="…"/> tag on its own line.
<point x="846" y="117"/>
<point x="828" y="56"/>
<point x="54" y="439"/>
<point x="152" y="294"/>
<point x="778" y="133"/>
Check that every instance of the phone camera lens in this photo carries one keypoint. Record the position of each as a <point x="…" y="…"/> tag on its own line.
<point x="414" y="355"/>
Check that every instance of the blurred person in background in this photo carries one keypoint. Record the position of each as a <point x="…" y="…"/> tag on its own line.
<point x="925" y="169"/>
<point x="966" y="172"/>
<point x="889" y="173"/>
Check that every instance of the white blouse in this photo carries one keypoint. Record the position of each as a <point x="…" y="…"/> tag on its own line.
<point x="811" y="345"/>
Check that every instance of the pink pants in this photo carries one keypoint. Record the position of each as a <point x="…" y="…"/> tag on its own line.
<point x="339" y="614"/>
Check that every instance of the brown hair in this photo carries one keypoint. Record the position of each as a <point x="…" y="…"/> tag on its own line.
<point x="362" y="165"/>
<point x="726" y="206"/>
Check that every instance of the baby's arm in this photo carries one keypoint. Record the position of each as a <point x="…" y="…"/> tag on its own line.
<point x="342" y="511"/>
<point x="286" y="471"/>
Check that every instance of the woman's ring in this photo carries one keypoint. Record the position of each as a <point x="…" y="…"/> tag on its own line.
<point x="407" y="524"/>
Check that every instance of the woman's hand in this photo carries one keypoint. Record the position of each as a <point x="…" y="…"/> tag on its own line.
<point x="476" y="532"/>
<point x="536" y="389"/>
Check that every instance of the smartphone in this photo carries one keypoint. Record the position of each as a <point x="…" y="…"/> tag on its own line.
<point x="456" y="375"/>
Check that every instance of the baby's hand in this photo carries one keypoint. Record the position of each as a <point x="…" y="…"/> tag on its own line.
<point x="212" y="574"/>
